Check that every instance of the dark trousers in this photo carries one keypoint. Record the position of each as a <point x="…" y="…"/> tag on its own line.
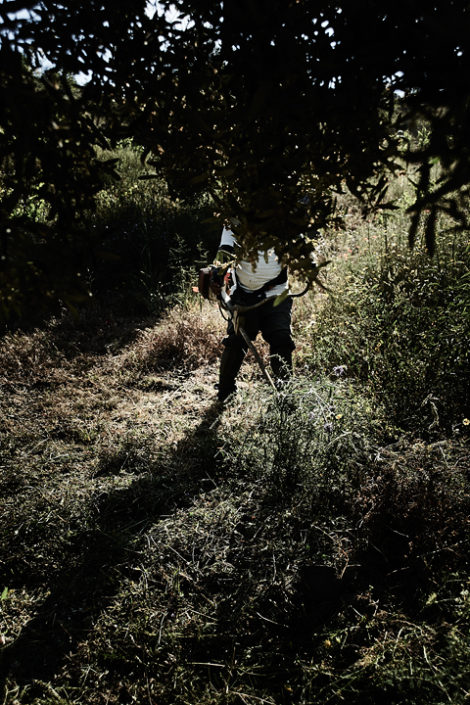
<point x="274" y="323"/>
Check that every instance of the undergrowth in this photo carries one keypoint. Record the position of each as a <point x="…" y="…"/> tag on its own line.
<point x="399" y="321"/>
<point x="135" y="251"/>
<point x="304" y="548"/>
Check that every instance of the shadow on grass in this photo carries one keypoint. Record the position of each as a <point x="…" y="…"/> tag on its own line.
<point x="99" y="330"/>
<point x="101" y="555"/>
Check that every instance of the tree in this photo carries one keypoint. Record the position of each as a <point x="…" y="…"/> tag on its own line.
<point x="273" y="106"/>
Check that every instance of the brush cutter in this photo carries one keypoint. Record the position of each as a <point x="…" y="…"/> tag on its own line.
<point x="213" y="284"/>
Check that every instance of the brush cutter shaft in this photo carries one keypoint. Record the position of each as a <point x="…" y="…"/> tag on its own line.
<point x="228" y="306"/>
<point x="260" y="362"/>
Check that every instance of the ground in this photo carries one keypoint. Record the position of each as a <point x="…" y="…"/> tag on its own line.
<point x="157" y="547"/>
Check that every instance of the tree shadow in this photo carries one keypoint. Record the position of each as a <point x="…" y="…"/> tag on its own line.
<point x="100" y="556"/>
<point x="383" y="571"/>
<point x="98" y="330"/>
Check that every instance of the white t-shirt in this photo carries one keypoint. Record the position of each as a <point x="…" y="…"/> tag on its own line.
<point x="267" y="267"/>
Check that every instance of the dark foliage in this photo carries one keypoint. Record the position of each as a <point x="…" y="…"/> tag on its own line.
<point x="272" y="107"/>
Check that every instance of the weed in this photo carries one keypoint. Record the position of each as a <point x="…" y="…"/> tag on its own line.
<point x="398" y="321"/>
<point x="181" y="340"/>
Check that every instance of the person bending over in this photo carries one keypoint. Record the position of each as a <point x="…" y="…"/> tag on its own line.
<point x="251" y="284"/>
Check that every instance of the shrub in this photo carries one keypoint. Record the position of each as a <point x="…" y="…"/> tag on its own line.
<point x="130" y="251"/>
<point x="400" y="322"/>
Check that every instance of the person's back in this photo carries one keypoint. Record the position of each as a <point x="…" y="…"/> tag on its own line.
<point x="254" y="278"/>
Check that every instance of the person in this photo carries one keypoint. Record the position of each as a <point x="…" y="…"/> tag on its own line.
<point x="252" y="283"/>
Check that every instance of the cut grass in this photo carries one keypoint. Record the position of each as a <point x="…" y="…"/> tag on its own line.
<point x="158" y="548"/>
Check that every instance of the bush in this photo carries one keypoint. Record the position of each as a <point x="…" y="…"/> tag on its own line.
<point x="399" y="320"/>
<point x="134" y="250"/>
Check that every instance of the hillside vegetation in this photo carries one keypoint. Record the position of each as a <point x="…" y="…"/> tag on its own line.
<point x="309" y="548"/>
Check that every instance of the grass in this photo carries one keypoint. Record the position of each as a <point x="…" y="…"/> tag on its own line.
<point x="399" y="321"/>
<point x="305" y="549"/>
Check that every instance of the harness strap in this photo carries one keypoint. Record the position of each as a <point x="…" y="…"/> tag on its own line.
<point x="281" y="278"/>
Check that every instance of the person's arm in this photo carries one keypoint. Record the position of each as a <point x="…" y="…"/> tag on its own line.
<point x="226" y="250"/>
<point x="225" y="254"/>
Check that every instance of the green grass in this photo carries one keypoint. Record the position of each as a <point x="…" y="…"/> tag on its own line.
<point x="303" y="549"/>
<point x="399" y="321"/>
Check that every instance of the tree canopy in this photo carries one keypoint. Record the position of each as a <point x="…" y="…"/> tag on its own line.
<point x="272" y="106"/>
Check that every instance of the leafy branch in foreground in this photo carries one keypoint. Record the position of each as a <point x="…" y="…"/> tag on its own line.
<point x="272" y="108"/>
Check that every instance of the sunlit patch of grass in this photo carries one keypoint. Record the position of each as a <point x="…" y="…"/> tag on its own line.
<point x="397" y="320"/>
<point x="184" y="339"/>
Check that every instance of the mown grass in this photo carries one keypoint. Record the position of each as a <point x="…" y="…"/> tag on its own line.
<point x="303" y="549"/>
